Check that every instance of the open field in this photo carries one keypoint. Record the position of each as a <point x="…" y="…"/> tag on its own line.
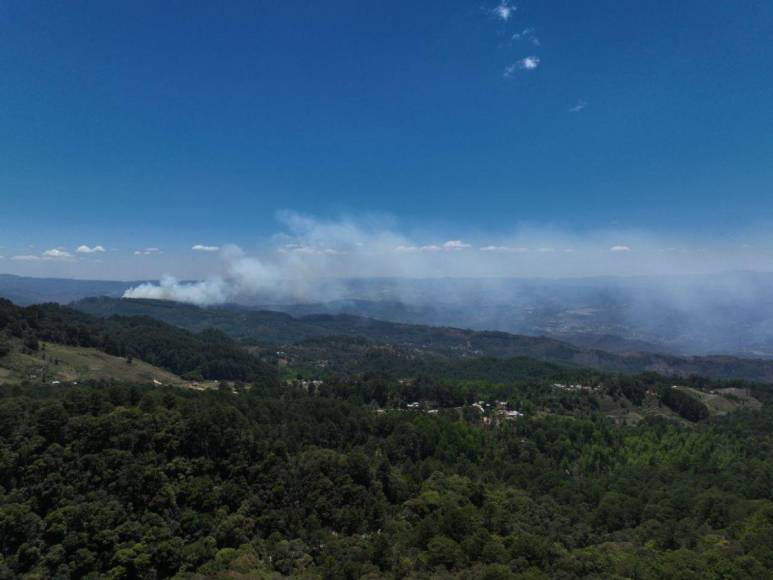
<point x="56" y="362"/>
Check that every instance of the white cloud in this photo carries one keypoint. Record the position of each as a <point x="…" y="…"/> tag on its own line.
<point x="28" y="258"/>
<point x="504" y="249"/>
<point x="620" y="249"/>
<point x="455" y="245"/>
<point x="84" y="249"/>
<point x="147" y="252"/>
<point x="528" y="63"/>
<point x="578" y="107"/>
<point x="527" y="34"/>
<point x="449" y="246"/>
<point x="204" y="248"/>
<point x="307" y="250"/>
<point x="57" y="253"/>
<point x="504" y="11"/>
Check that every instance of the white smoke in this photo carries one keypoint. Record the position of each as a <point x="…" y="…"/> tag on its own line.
<point x="313" y="260"/>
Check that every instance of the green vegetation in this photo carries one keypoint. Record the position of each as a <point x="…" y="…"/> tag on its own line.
<point x="56" y="362"/>
<point x="133" y="482"/>
<point x="206" y="355"/>
<point x="367" y="460"/>
<point x="263" y="328"/>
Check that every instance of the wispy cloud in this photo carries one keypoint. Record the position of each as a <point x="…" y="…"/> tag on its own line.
<point x="455" y="245"/>
<point x="504" y="11"/>
<point x="204" y="248"/>
<point x="449" y="246"/>
<point x="620" y="249"/>
<point x="307" y="250"/>
<point x="578" y="107"/>
<point x="84" y="249"/>
<point x="527" y="63"/>
<point x="27" y="258"/>
<point x="53" y="254"/>
<point x="504" y="249"/>
<point x="147" y="252"/>
<point x="527" y="34"/>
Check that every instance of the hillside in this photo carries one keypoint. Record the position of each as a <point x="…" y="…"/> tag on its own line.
<point x="266" y="327"/>
<point x="205" y="355"/>
<point x="61" y="363"/>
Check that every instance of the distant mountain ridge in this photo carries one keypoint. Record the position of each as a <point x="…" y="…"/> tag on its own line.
<point x="25" y="291"/>
<point x="276" y="328"/>
<point x="729" y="312"/>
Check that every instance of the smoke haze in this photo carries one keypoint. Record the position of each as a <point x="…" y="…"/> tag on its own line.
<point x="313" y="260"/>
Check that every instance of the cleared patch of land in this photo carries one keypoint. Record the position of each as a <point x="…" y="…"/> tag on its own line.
<point x="722" y="401"/>
<point x="55" y="362"/>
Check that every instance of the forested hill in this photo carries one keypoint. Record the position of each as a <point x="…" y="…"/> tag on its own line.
<point x="209" y="354"/>
<point x="267" y="327"/>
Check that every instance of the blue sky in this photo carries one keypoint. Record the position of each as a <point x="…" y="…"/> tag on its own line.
<point x="135" y="125"/>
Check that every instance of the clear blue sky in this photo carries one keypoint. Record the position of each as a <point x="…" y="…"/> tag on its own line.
<point x="134" y="124"/>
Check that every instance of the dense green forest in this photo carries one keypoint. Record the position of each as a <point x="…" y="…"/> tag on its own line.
<point x="136" y="482"/>
<point x="341" y="457"/>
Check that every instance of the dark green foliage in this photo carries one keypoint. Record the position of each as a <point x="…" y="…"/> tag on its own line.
<point x="261" y="327"/>
<point x="133" y="482"/>
<point x="209" y="354"/>
<point x="685" y="405"/>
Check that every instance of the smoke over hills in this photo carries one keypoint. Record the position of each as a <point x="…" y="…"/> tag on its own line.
<point x="631" y="284"/>
<point x="310" y="259"/>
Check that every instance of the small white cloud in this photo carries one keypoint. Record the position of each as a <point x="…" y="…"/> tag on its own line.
<point x="307" y="250"/>
<point x="84" y="249"/>
<point x="203" y="248"/>
<point x="620" y="249"/>
<point x="57" y="253"/>
<point x="504" y="249"/>
<point x="504" y="11"/>
<point x="528" y="63"/>
<point x="527" y="34"/>
<point x="315" y="251"/>
<point x="455" y="245"/>
<point x="578" y="107"/>
<point x="147" y="252"/>
<point x="449" y="246"/>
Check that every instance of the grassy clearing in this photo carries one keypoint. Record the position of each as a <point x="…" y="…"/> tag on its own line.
<point x="723" y="401"/>
<point x="56" y="362"/>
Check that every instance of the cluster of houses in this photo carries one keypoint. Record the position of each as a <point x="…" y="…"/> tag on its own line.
<point x="490" y="412"/>
<point x="496" y="410"/>
<point x="584" y="388"/>
<point x="308" y="385"/>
